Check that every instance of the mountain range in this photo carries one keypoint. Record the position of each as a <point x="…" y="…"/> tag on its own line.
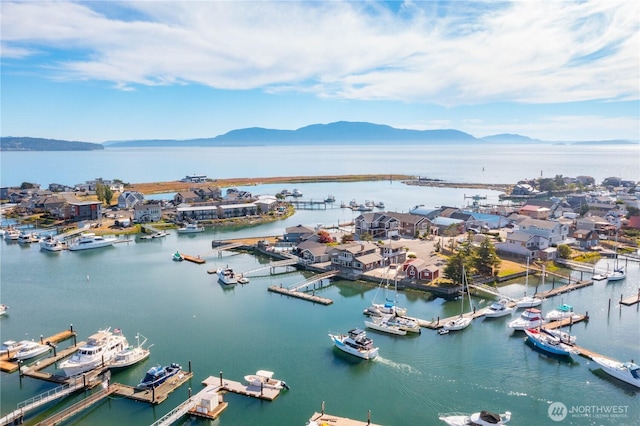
<point x="342" y="132"/>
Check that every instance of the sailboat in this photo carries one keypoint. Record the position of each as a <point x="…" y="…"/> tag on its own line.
<point x="618" y="271"/>
<point x="528" y="301"/>
<point x="389" y="307"/>
<point x="460" y="322"/>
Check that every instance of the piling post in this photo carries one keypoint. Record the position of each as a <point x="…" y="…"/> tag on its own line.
<point x="368" y="417"/>
<point x="261" y="388"/>
<point x="221" y="378"/>
<point x="553" y="283"/>
<point x="438" y="320"/>
<point x="322" y="410"/>
<point x="620" y="298"/>
<point x="609" y="308"/>
<point x="41" y="338"/>
<point x="189" y="390"/>
<point x="189" y="366"/>
<point x="153" y="394"/>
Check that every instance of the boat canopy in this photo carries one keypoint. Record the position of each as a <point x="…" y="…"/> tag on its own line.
<point x="264" y="373"/>
<point x="490" y="417"/>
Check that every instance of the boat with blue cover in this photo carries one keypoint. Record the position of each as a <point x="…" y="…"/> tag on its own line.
<point x="158" y="375"/>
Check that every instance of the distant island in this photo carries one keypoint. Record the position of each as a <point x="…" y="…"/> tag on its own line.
<point x="342" y="132"/>
<point x="12" y="143"/>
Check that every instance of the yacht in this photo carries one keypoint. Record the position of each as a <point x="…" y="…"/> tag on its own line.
<point x="483" y="418"/>
<point x="560" y="312"/>
<point x="51" y="244"/>
<point x="28" y="238"/>
<point x="403" y="323"/>
<point x="100" y="348"/>
<point x="381" y="324"/>
<point x="89" y="240"/>
<point x="530" y="318"/>
<point x="12" y="234"/>
<point x="498" y="309"/>
<point x="12" y="346"/>
<point x="130" y="355"/>
<point x="190" y="228"/>
<point x="31" y="350"/>
<point x="628" y="372"/>
<point x="227" y="276"/>
<point x="355" y="343"/>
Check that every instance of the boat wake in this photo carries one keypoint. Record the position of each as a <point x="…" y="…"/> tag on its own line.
<point x="404" y="368"/>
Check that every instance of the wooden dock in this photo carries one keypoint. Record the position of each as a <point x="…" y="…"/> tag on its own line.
<point x="323" y="418"/>
<point x="565" y="322"/>
<point x="74" y="409"/>
<point x="564" y="289"/>
<point x="631" y="300"/>
<point x="194" y="259"/>
<point x="266" y="393"/>
<point x="9" y="366"/>
<point x="299" y="295"/>
<point x="155" y="395"/>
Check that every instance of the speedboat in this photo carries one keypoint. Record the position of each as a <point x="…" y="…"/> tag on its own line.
<point x="628" y="372"/>
<point x="498" y="309"/>
<point x="560" y="312"/>
<point x="3" y="309"/>
<point x="355" y="343"/>
<point x="190" y="228"/>
<point x="264" y="379"/>
<point x="483" y="418"/>
<point x="381" y="324"/>
<point x="51" y="244"/>
<point x="548" y="342"/>
<point x="89" y="240"/>
<point x="100" y="348"/>
<point x="11" y="346"/>
<point x="227" y="276"/>
<point x="458" y="323"/>
<point x="530" y="318"/>
<point x="130" y="355"/>
<point x="158" y="375"/>
<point x="31" y="350"/>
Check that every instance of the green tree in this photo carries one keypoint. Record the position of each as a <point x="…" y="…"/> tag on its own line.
<point x="455" y="265"/>
<point x="485" y="259"/>
<point x="108" y="195"/>
<point x="564" y="251"/>
<point x="100" y="191"/>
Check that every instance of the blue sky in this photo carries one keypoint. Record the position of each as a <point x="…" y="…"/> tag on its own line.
<point x="97" y="71"/>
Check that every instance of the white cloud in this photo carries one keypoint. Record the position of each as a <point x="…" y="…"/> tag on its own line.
<point x="470" y="53"/>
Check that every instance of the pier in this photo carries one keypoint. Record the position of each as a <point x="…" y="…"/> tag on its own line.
<point x="309" y="204"/>
<point x="207" y="403"/>
<point x="573" y="319"/>
<point x="564" y="289"/>
<point x="294" y="290"/>
<point x="195" y="259"/>
<point x="631" y="300"/>
<point x="323" y="418"/>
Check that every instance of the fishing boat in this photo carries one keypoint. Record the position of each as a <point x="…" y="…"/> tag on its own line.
<point x="528" y="301"/>
<point x="31" y="350"/>
<point x="498" y="309"/>
<point x="157" y="375"/>
<point x="264" y="379"/>
<point x="560" y="312"/>
<point x="130" y="355"/>
<point x="548" y="343"/>
<point x="89" y="240"/>
<point x="355" y="342"/>
<point x="190" y="228"/>
<point x="483" y="418"/>
<point x="227" y="276"/>
<point x="530" y="318"/>
<point x="99" y="350"/>
<point x="628" y="372"/>
<point x="381" y="324"/>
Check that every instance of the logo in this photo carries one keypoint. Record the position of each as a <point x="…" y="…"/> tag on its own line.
<point x="557" y="411"/>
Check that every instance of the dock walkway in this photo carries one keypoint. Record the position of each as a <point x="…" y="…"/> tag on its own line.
<point x="190" y="406"/>
<point x="564" y="289"/>
<point x="71" y="411"/>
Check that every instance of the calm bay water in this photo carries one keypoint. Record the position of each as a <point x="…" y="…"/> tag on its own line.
<point x="188" y="316"/>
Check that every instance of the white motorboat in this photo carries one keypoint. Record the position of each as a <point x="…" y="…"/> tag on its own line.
<point x="3" y="309"/>
<point x="11" y="346"/>
<point x="548" y="342"/>
<point x="560" y="312"/>
<point x="28" y="238"/>
<point x="381" y="324"/>
<point x="100" y="348"/>
<point x="355" y="343"/>
<point x="51" y="244"/>
<point x="628" y="372"/>
<point x="530" y="318"/>
<point x="404" y="323"/>
<point x="483" y="418"/>
<point x="31" y="350"/>
<point x="12" y="234"/>
<point x="227" y="276"/>
<point x="296" y="193"/>
<point x="264" y="379"/>
<point x="498" y="309"/>
<point x="130" y="355"/>
<point x="89" y="240"/>
<point x="191" y="228"/>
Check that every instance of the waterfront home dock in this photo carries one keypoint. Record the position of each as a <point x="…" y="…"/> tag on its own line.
<point x="323" y="418"/>
<point x="266" y="393"/>
<point x="194" y="259"/>
<point x="564" y="289"/>
<point x="9" y="366"/>
<point x="79" y="406"/>
<point x="574" y="319"/>
<point x="154" y="395"/>
<point x="299" y="295"/>
<point x="631" y="300"/>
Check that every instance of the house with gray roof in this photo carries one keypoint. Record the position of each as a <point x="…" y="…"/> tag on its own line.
<point x="296" y="234"/>
<point x="130" y="199"/>
<point x="313" y="252"/>
<point x="554" y="232"/>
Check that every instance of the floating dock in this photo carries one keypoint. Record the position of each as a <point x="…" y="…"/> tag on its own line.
<point x="155" y="395"/>
<point x="631" y="300"/>
<point x="564" y="289"/>
<point x="323" y="418"/>
<point x="9" y="366"/>
<point x="299" y="295"/>
<point x="565" y="322"/>
<point x="194" y="259"/>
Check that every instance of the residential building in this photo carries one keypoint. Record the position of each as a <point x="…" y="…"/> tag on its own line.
<point x="150" y="212"/>
<point x="418" y="270"/>
<point x="129" y="199"/>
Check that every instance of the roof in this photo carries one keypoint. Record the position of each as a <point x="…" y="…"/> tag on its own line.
<point x="369" y="258"/>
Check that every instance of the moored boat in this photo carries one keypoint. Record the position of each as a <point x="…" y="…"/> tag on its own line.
<point x="355" y="342"/>
<point x="130" y="355"/>
<point x="28" y="238"/>
<point x="403" y="323"/>
<point x="617" y="274"/>
<point x="3" y="309"/>
<point x="177" y="257"/>
<point x="51" y="244"/>
<point x="190" y="228"/>
<point x="227" y="276"/>
<point x="530" y="318"/>
<point x="459" y="323"/>
<point x="11" y="346"/>
<point x="157" y="375"/>
<point x="548" y="343"/>
<point x="11" y="234"/>
<point x="482" y="418"/>
<point x="498" y="309"/>
<point x="31" y="350"/>
<point x="89" y="240"/>
<point x="628" y="372"/>
<point x="381" y="324"/>
<point x="264" y="378"/>
<point x="100" y="348"/>
<point x="560" y="312"/>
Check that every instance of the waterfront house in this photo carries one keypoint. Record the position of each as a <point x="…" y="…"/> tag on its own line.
<point x="534" y="211"/>
<point x="313" y="252"/>
<point x="208" y="193"/>
<point x="187" y="212"/>
<point x="586" y="238"/>
<point x="410" y="224"/>
<point x="130" y="199"/>
<point x="419" y="270"/>
<point x="85" y="210"/>
<point x="377" y="225"/>
<point x="266" y="203"/>
<point x="356" y="257"/>
<point x="150" y="212"/>
<point x="295" y="234"/>
<point x="393" y="253"/>
<point x="185" y="197"/>
<point x="226" y="211"/>
<point x="554" y="232"/>
<point x="594" y="223"/>
<point x="522" y="245"/>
